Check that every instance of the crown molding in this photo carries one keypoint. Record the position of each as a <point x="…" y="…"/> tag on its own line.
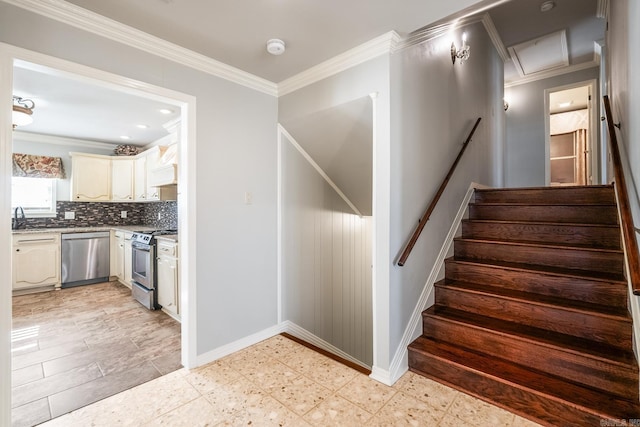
<point x="602" y="10"/>
<point x="554" y="73"/>
<point x="84" y="19"/>
<point x="381" y="45"/>
<point x="59" y="140"/>
<point x="495" y="37"/>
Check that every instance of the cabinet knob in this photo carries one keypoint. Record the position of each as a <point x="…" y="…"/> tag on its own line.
<point x="17" y="250"/>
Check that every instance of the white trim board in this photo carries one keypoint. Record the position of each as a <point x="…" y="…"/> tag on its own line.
<point x="399" y="363"/>
<point x="59" y="140"/>
<point x="299" y="332"/>
<point x="283" y="131"/>
<point x="554" y="73"/>
<point x="381" y="45"/>
<point x="86" y="20"/>
<point x="240" y="344"/>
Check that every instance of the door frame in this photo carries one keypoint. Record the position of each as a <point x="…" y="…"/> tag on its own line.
<point x="9" y="56"/>
<point x="592" y="108"/>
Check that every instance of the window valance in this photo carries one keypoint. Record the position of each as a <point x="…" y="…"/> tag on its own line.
<point x="32" y="166"/>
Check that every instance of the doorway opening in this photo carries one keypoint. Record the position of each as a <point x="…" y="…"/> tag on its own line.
<point x="572" y="156"/>
<point x="14" y="62"/>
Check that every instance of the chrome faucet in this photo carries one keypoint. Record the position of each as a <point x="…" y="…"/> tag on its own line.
<point x="18" y="221"/>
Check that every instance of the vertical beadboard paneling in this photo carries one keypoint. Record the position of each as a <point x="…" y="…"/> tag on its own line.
<point x="326" y="258"/>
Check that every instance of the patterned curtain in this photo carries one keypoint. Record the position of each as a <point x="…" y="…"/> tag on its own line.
<point x="31" y="166"/>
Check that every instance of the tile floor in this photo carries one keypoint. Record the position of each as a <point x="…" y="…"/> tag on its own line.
<point x="75" y="346"/>
<point x="280" y="383"/>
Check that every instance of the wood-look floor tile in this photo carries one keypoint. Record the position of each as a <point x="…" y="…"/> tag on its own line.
<point x="116" y="350"/>
<point x="47" y="386"/>
<point x="30" y="414"/>
<point x="26" y="375"/>
<point x="47" y="354"/>
<point x="90" y="392"/>
<point x="168" y="362"/>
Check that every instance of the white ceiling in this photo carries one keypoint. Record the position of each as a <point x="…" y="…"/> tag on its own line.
<point x="73" y="108"/>
<point x="234" y="33"/>
<point x="569" y="100"/>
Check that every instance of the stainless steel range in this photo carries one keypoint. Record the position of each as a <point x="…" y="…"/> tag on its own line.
<point x="143" y="267"/>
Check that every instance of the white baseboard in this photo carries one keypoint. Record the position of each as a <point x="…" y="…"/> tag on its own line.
<point x="399" y="363"/>
<point x="303" y="334"/>
<point x="227" y="349"/>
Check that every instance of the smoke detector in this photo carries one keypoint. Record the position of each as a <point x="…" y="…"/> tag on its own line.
<point x="275" y="47"/>
<point x="547" y="6"/>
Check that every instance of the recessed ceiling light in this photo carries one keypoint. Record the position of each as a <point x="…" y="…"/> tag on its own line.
<point x="142" y="126"/>
<point x="565" y="104"/>
<point x="165" y="111"/>
<point x="125" y="137"/>
<point x="547" y="6"/>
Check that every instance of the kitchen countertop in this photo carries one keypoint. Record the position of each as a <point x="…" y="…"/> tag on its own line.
<point x="85" y="229"/>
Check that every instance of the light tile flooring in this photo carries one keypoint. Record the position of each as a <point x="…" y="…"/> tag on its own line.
<point x="280" y="383"/>
<point x="75" y="346"/>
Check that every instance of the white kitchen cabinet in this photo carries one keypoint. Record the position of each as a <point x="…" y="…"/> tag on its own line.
<point x="141" y="178"/>
<point x="35" y="260"/>
<point x="167" y="271"/>
<point x="90" y="178"/>
<point x="127" y="264"/>
<point x="122" y="179"/>
<point x="117" y="255"/>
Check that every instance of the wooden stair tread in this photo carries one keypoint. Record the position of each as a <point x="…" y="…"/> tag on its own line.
<point x="550" y="205"/>
<point x="621" y="313"/>
<point x="586" y="399"/>
<point x="567" y="272"/>
<point x="533" y="222"/>
<point x="541" y="245"/>
<point x="622" y="358"/>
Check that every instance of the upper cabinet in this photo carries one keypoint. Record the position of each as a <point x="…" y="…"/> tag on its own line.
<point x="140" y="183"/>
<point x="165" y="170"/>
<point x="122" y="179"/>
<point x="90" y="178"/>
<point x="98" y="178"/>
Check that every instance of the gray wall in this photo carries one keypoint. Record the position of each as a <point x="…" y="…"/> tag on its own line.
<point x="525" y="128"/>
<point x="63" y="186"/>
<point x="236" y="152"/>
<point x="434" y="106"/>
<point x="326" y="252"/>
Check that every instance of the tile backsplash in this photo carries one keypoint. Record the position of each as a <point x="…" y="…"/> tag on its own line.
<point x="95" y="214"/>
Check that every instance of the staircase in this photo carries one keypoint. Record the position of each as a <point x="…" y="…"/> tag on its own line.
<point x="532" y="315"/>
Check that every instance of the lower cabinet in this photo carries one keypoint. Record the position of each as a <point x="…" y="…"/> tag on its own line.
<point x="167" y="270"/>
<point x="121" y="256"/>
<point x="35" y="260"/>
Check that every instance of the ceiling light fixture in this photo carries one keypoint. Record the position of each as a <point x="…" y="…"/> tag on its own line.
<point x="565" y="104"/>
<point x="547" y="6"/>
<point x="463" y="53"/>
<point x="166" y="111"/>
<point x="275" y="47"/>
<point x="142" y="126"/>
<point x="22" y="111"/>
<point x="125" y="137"/>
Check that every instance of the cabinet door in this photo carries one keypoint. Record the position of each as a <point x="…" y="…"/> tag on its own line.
<point x="168" y="283"/>
<point x="91" y="178"/>
<point x="140" y="180"/>
<point x="119" y="262"/>
<point x="153" y="158"/>
<point x="122" y="180"/>
<point x="36" y="262"/>
<point x="127" y="259"/>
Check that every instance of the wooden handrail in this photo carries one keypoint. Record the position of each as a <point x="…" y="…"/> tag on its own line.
<point x="434" y="201"/>
<point x="628" y="229"/>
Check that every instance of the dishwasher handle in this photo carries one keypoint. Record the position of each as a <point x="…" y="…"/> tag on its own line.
<point x="88" y="235"/>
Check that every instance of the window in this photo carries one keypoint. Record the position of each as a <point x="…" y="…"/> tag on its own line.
<point x="37" y="196"/>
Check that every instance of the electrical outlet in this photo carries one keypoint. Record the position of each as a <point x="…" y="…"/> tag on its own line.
<point x="248" y="198"/>
<point x="69" y="215"/>
<point x="123" y="214"/>
<point x="159" y="215"/>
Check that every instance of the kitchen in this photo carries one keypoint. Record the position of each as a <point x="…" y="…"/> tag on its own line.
<point x="95" y="253"/>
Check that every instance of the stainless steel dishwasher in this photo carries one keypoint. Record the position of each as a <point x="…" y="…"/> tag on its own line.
<point x="85" y="258"/>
